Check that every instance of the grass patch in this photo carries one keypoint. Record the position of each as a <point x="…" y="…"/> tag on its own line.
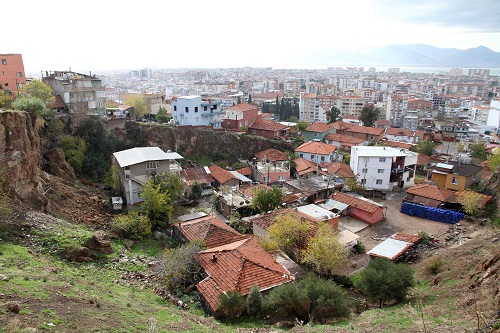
<point x="152" y="247"/>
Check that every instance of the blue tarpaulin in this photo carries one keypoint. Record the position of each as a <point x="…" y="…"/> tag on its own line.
<point x="431" y="213"/>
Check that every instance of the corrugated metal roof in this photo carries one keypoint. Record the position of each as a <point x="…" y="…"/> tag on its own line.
<point x="316" y="212"/>
<point x="142" y="154"/>
<point x="390" y="249"/>
<point x="334" y="204"/>
<point x="192" y="216"/>
<point x="241" y="177"/>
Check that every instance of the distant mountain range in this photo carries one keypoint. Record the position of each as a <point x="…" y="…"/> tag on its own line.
<point x="418" y="55"/>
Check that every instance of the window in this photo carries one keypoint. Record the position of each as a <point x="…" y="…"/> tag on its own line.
<point x="152" y="165"/>
<point x="301" y="155"/>
<point x="380" y="170"/>
<point x="205" y="108"/>
<point x="312" y="157"/>
<point x="363" y="181"/>
<point x="322" y="158"/>
<point x="315" y="134"/>
<point x="195" y="109"/>
<point x="6" y="84"/>
<point x="19" y="74"/>
<point x="381" y="159"/>
<point x="379" y="181"/>
<point x="454" y="181"/>
<point x="281" y="178"/>
<point x="186" y="109"/>
<point x="3" y="73"/>
<point x="364" y="170"/>
<point x="175" y="107"/>
<point x="4" y="61"/>
<point x="196" y="119"/>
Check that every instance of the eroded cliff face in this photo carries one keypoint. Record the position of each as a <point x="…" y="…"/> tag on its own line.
<point x="19" y="158"/>
<point x="206" y="142"/>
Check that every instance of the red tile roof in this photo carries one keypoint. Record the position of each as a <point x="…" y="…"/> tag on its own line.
<point x="238" y="266"/>
<point x="212" y="230"/>
<point x="272" y="155"/>
<point x="245" y="171"/>
<point x="319" y="127"/>
<point x="269" y="95"/>
<point x="267" y="125"/>
<point x="199" y="174"/>
<point x="58" y="103"/>
<point x="484" y="199"/>
<point x="431" y="192"/>
<point x="399" y="132"/>
<point x="249" y="190"/>
<point x="366" y="130"/>
<point x="337" y="168"/>
<point x="355" y="202"/>
<point x="314" y="147"/>
<point x="220" y="174"/>
<point x="398" y="144"/>
<point x="342" y="125"/>
<point x="243" y="107"/>
<point x="346" y="140"/>
<point x="423" y="159"/>
<point x="304" y="166"/>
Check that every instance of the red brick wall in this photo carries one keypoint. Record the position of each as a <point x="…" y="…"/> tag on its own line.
<point x="8" y="72"/>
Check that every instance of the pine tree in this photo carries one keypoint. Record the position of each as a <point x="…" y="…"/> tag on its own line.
<point x="254" y="301"/>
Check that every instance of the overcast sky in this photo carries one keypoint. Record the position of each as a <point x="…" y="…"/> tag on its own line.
<point x="108" y="34"/>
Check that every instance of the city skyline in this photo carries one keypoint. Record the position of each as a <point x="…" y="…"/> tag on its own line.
<point x="115" y="35"/>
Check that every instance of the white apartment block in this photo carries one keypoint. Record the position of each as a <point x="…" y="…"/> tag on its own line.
<point x="351" y="105"/>
<point x="313" y="108"/>
<point x="193" y="111"/>
<point x="383" y="168"/>
<point x="494" y="115"/>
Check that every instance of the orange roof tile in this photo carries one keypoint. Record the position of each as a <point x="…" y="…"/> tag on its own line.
<point x="220" y="174"/>
<point x="431" y="192"/>
<point x="199" y="174"/>
<point x="483" y="197"/>
<point x="304" y="166"/>
<point x="319" y="127"/>
<point x="245" y="171"/>
<point x="243" y="107"/>
<point x="366" y="130"/>
<point x="398" y="144"/>
<point x="313" y="147"/>
<point x="272" y="155"/>
<point x="267" y="125"/>
<point x="344" y="139"/>
<point x="355" y="202"/>
<point x="338" y="168"/>
<point x="212" y="230"/>
<point x="399" y="132"/>
<point x="238" y="266"/>
<point x="249" y="190"/>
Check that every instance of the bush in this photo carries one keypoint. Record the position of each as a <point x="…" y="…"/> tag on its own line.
<point x="309" y="298"/>
<point x="359" y="248"/>
<point x="343" y="280"/>
<point x="231" y="304"/>
<point x="384" y="280"/>
<point x="434" y="266"/>
<point x="133" y="225"/>
<point x="254" y="303"/>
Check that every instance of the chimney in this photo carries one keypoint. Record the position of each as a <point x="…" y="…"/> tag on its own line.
<point x="214" y="258"/>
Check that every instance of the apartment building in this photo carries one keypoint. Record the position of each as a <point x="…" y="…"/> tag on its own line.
<point x="12" y="76"/>
<point x="313" y="108"/>
<point x="82" y="94"/>
<point x="240" y="115"/>
<point x="383" y="168"/>
<point x="194" y="111"/>
<point x="351" y="105"/>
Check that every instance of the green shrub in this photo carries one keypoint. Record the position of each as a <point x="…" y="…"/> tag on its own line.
<point x="359" y="248"/>
<point x="343" y="280"/>
<point x="133" y="225"/>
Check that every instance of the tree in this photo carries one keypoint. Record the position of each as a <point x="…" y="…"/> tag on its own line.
<point x="266" y="200"/>
<point x="162" y="115"/>
<point x="74" y="151"/>
<point x="333" y="115"/>
<point x="293" y="119"/>
<point x="178" y="267"/>
<point x="425" y="147"/>
<point x="195" y="192"/>
<point x="33" y="105"/>
<point x="6" y="99"/>
<point x="309" y="299"/>
<point x="290" y="234"/>
<point x="369" y="114"/>
<point x="478" y="150"/>
<point x="277" y="106"/>
<point x="301" y="126"/>
<point x="38" y="89"/>
<point x="255" y="301"/>
<point x="324" y="252"/>
<point x="494" y="161"/>
<point x="385" y="281"/>
<point x="471" y="203"/>
<point x="250" y="99"/>
<point x="239" y="100"/>
<point x="170" y="183"/>
<point x="157" y="204"/>
<point x="231" y="304"/>
<point x="133" y="225"/>
<point x="139" y="105"/>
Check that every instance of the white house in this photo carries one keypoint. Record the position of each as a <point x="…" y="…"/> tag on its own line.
<point x="316" y="152"/>
<point x="137" y="165"/>
<point x="384" y="168"/>
<point x="194" y="111"/>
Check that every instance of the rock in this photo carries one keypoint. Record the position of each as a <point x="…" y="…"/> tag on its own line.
<point x="159" y="236"/>
<point x="56" y="164"/>
<point x="100" y="242"/>
<point x="14" y="307"/>
<point x="3" y="278"/>
<point x="81" y="254"/>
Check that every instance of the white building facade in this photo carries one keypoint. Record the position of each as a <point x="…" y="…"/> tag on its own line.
<point x="194" y="111"/>
<point x="383" y="168"/>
